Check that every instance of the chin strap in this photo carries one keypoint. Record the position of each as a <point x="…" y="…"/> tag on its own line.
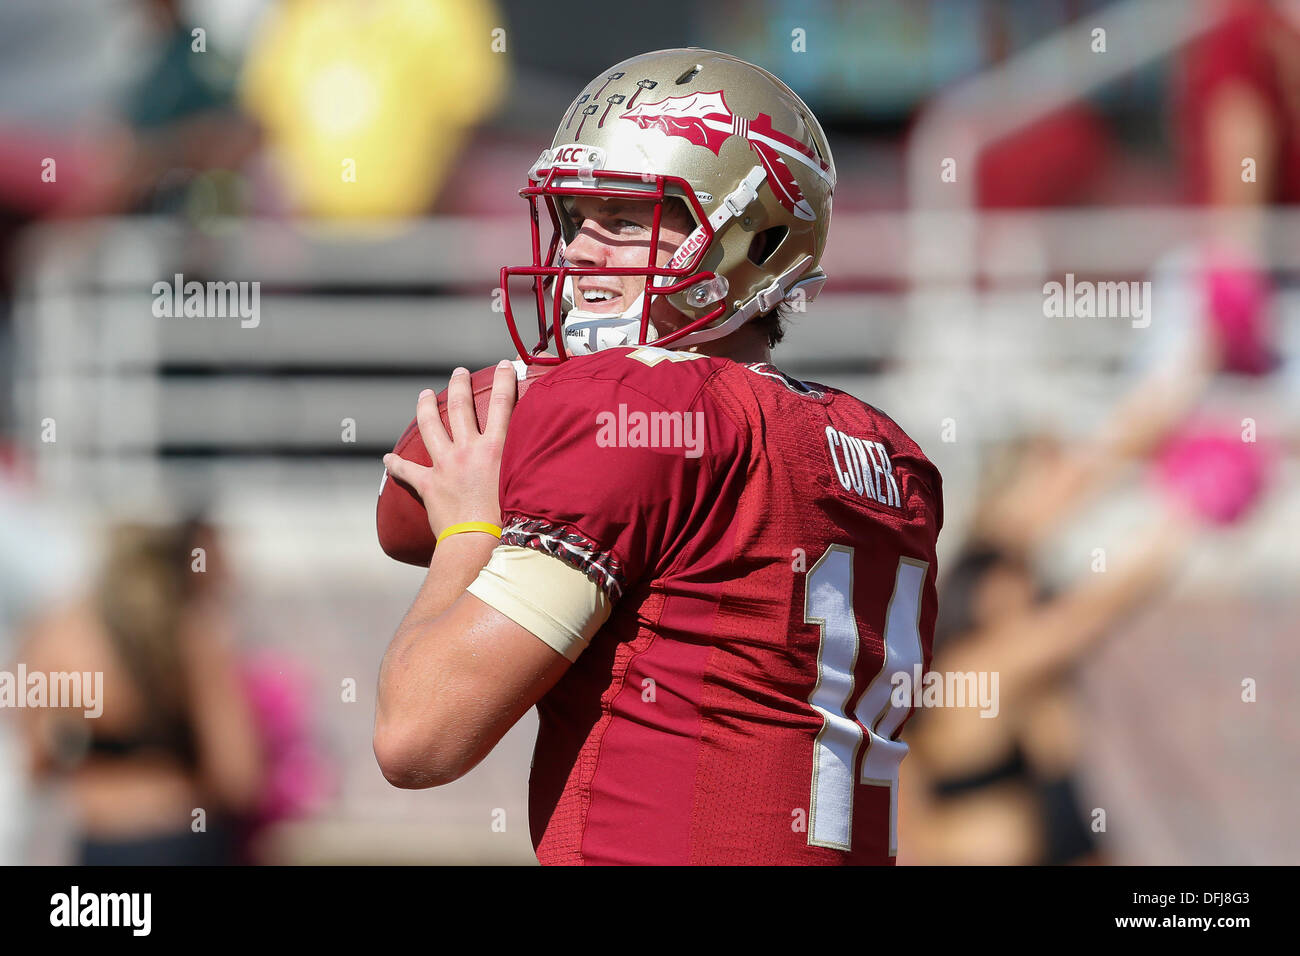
<point x="763" y="301"/>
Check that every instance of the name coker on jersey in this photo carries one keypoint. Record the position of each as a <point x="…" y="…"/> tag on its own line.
<point x="863" y="467"/>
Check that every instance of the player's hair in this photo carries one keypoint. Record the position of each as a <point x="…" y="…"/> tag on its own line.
<point x="772" y="324"/>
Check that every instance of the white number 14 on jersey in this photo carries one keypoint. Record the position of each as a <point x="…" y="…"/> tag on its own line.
<point x="829" y="603"/>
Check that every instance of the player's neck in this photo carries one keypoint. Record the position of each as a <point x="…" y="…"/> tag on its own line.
<point x="746" y="345"/>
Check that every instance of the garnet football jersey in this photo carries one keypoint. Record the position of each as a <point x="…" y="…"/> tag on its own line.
<point x="769" y="547"/>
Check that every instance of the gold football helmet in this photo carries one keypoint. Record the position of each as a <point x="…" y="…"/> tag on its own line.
<point x="732" y="142"/>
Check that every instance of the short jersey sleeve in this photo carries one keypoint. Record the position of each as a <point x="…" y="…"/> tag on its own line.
<point x="614" y="462"/>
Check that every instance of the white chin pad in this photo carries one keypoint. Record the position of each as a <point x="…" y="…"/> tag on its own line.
<point x="586" y="331"/>
<point x="582" y="336"/>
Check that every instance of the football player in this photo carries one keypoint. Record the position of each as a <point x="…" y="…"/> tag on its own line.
<point x="707" y="572"/>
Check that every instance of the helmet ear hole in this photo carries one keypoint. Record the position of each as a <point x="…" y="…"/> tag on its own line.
<point x="765" y="243"/>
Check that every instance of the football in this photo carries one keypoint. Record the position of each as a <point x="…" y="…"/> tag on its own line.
<point x="400" y="518"/>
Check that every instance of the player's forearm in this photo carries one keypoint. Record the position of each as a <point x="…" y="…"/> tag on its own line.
<point x="456" y="563"/>
<point x="414" y="665"/>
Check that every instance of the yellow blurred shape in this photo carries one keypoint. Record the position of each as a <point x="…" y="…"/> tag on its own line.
<point x="367" y="103"/>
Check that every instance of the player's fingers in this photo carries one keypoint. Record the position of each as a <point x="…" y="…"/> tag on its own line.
<point x="407" y="472"/>
<point x="460" y="406"/>
<point x="502" y="403"/>
<point x="430" y="422"/>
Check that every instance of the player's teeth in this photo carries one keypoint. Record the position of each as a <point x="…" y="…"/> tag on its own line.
<point x="597" y="296"/>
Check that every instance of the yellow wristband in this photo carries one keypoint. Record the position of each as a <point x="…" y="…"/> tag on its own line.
<point x="484" y="526"/>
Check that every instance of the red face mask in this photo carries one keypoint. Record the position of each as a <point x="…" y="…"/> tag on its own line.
<point x="549" y="182"/>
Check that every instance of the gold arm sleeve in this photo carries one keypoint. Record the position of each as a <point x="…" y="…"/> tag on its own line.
<point x="555" y="601"/>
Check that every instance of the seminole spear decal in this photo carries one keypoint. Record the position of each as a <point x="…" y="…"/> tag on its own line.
<point x="705" y="120"/>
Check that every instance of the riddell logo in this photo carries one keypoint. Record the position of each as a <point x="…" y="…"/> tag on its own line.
<point x="688" y="248"/>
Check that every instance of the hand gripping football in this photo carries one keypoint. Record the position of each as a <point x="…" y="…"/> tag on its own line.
<point x="400" y="518"/>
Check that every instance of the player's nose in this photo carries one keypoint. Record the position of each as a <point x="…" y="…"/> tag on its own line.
<point x="586" y="250"/>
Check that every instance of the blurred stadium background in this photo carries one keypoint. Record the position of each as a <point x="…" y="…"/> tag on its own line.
<point x="224" y="164"/>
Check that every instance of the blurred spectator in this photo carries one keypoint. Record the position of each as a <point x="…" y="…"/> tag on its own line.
<point x="85" y="139"/>
<point x="1004" y="790"/>
<point x="298" y="778"/>
<point x="39" y="562"/>
<point x="1239" y="99"/>
<point x="139" y="147"/>
<point x="1058" y="160"/>
<point x="177" y="733"/>
<point x="186" y="122"/>
<point x="1237" y="108"/>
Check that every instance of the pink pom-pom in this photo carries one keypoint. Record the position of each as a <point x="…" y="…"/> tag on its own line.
<point x="1239" y="309"/>
<point x="1213" y="472"/>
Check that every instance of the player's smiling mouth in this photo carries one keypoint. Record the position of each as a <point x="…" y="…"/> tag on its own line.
<point x="604" y="300"/>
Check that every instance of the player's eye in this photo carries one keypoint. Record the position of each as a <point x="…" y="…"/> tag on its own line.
<point x="621" y="225"/>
